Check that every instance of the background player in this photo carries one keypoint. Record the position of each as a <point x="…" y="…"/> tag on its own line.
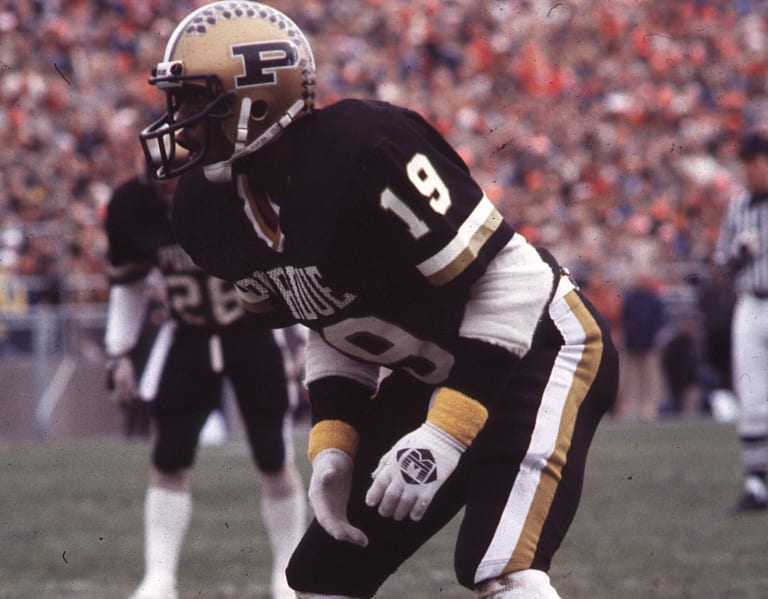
<point x="206" y="337"/>
<point x="361" y="222"/>
<point x="743" y="249"/>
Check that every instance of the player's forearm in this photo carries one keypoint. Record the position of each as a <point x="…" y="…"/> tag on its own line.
<point x="480" y="371"/>
<point x="340" y="390"/>
<point x="125" y="317"/>
<point x="339" y="405"/>
<point x="500" y="319"/>
<point x="497" y="331"/>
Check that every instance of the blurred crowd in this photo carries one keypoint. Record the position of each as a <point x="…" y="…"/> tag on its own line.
<point x="604" y="129"/>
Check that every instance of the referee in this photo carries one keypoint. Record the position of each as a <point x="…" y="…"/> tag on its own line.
<point x="742" y="248"/>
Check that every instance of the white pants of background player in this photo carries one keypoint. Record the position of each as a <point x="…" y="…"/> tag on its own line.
<point x="750" y="380"/>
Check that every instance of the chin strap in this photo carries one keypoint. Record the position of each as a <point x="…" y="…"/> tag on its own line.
<point x="220" y="172"/>
<point x="242" y="125"/>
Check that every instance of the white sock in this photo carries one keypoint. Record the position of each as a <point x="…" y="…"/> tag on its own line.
<point x="166" y="519"/>
<point x="283" y="511"/>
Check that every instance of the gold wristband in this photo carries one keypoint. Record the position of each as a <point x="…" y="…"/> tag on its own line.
<point x="333" y="433"/>
<point x="457" y="414"/>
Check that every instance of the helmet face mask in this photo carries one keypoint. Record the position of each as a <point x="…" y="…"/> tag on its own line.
<point x="160" y="135"/>
<point x="243" y="68"/>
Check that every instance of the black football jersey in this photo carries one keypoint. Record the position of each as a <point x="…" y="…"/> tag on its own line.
<point x="375" y="245"/>
<point x="141" y="238"/>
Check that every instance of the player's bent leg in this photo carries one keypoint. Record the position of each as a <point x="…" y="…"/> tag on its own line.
<point x="186" y="394"/>
<point x="283" y="511"/>
<point x="525" y="584"/>
<point x="517" y="516"/>
<point x="322" y="566"/>
<point x="167" y="512"/>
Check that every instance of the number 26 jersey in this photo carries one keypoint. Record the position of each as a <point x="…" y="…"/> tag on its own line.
<point x="141" y="238"/>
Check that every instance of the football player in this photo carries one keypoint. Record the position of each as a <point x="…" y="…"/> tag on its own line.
<point x="450" y="364"/>
<point x="207" y="336"/>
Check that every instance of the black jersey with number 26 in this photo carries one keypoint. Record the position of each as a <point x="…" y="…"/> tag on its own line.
<point x="141" y="238"/>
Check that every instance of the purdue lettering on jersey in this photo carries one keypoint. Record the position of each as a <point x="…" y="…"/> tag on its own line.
<point x="301" y="288"/>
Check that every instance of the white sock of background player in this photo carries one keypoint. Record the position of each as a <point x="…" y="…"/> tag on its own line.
<point x="166" y="519"/>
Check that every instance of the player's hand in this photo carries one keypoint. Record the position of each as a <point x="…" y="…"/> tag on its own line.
<point x="409" y="474"/>
<point x="329" y="488"/>
<point x="747" y="243"/>
<point x="121" y="381"/>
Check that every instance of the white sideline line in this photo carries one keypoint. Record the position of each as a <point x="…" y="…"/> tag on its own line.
<point x="52" y="394"/>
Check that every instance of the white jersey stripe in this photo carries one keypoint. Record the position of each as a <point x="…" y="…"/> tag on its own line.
<point x="514" y="542"/>
<point x="459" y="253"/>
<point x="153" y="371"/>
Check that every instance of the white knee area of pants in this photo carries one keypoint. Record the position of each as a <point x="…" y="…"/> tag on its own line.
<point x="314" y="596"/>
<point x="525" y="584"/>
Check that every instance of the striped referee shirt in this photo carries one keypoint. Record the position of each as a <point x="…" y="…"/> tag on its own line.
<point x="746" y="219"/>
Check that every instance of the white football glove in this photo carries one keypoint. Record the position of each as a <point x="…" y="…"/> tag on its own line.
<point x="329" y="488"/>
<point x="121" y="381"/>
<point x="409" y="474"/>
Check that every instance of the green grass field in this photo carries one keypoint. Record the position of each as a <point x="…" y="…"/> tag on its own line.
<point x="653" y="523"/>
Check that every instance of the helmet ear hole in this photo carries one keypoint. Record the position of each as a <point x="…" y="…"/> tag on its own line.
<point x="259" y="110"/>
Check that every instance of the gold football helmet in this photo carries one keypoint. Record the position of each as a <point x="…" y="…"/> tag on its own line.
<point x="256" y="70"/>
